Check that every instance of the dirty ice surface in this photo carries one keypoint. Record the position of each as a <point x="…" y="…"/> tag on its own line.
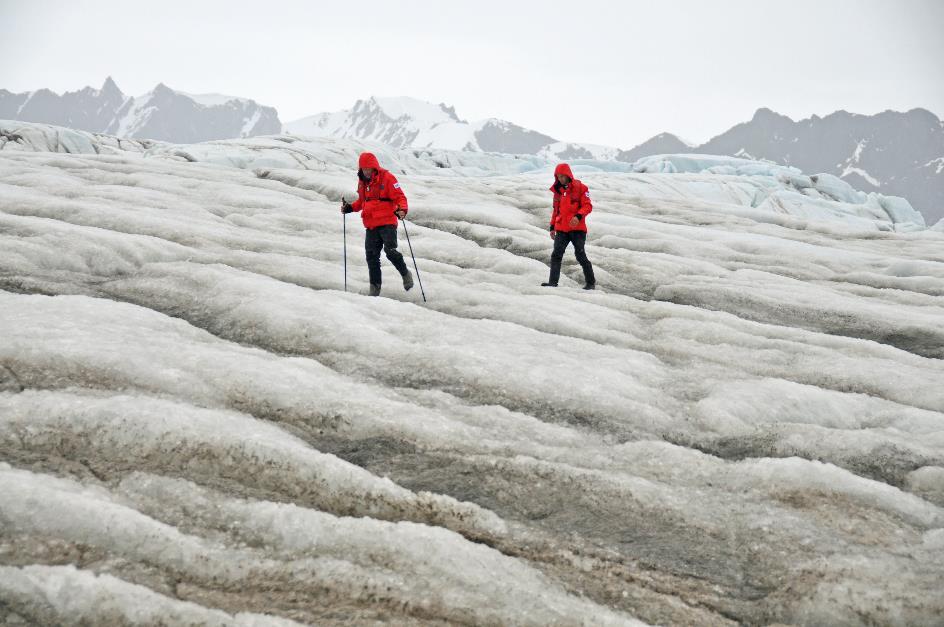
<point x="198" y="425"/>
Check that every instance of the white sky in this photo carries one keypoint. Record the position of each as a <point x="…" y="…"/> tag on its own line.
<point x="604" y="72"/>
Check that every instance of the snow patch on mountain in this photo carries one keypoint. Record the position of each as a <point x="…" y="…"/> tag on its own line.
<point x="857" y="155"/>
<point x="26" y="101"/>
<point x="868" y="177"/>
<point x="136" y="112"/>
<point x="212" y="100"/>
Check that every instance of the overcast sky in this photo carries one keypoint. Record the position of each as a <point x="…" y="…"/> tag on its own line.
<point x="604" y="72"/>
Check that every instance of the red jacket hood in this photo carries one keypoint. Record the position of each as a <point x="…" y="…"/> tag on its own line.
<point x="563" y="168"/>
<point x="368" y="160"/>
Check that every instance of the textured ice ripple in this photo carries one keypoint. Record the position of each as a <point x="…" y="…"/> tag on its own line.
<point x="744" y="425"/>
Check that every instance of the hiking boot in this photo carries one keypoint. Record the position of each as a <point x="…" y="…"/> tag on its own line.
<point x="408" y="280"/>
<point x="375" y="289"/>
<point x="590" y="286"/>
<point x="548" y="284"/>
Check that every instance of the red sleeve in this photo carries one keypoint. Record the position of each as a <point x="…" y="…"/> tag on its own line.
<point x="396" y="194"/>
<point x="585" y="205"/>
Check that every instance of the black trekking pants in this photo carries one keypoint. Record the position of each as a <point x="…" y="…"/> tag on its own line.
<point x="382" y="238"/>
<point x="578" y="239"/>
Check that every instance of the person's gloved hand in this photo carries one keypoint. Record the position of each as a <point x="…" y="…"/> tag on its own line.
<point x="400" y="213"/>
<point x="346" y="207"/>
<point x="553" y="234"/>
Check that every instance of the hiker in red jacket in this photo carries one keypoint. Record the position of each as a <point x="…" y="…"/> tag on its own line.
<point x="569" y="224"/>
<point x="380" y="201"/>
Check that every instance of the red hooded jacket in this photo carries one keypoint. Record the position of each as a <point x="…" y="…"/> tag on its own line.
<point x="379" y="197"/>
<point x="569" y="201"/>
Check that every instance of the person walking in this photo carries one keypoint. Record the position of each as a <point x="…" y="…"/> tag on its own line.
<point x="569" y="224"/>
<point x="381" y="202"/>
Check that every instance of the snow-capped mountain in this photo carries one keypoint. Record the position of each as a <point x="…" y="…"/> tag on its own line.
<point x="396" y="122"/>
<point x="198" y="425"/>
<point x="410" y="123"/>
<point x="891" y="152"/>
<point x="161" y="114"/>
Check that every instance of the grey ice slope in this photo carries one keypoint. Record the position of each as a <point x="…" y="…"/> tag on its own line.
<point x="199" y="426"/>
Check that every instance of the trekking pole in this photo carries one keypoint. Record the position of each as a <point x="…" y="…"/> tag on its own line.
<point x="344" y="228"/>
<point x="414" y="259"/>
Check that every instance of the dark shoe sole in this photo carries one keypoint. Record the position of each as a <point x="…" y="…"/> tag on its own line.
<point x="548" y="284"/>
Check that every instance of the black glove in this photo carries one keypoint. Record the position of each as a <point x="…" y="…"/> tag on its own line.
<point x="347" y="208"/>
<point x="551" y="228"/>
